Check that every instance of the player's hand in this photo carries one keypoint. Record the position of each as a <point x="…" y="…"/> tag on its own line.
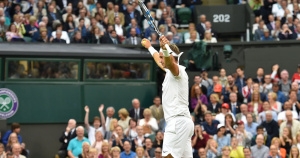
<point x="163" y="41"/>
<point x="101" y="107"/>
<point x="86" y="109"/>
<point x="146" y="43"/>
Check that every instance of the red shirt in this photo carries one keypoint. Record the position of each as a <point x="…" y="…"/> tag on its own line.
<point x="296" y="77"/>
<point x="201" y="143"/>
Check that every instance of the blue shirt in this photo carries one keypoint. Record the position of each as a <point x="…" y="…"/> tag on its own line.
<point x="75" y="145"/>
<point x="6" y="136"/>
<point x="130" y="155"/>
<point x="281" y="97"/>
<point x="223" y="141"/>
<point x="211" y="130"/>
<point x="251" y="128"/>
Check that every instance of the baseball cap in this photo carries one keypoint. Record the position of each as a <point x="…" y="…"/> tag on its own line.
<point x="225" y="105"/>
<point x="240" y="122"/>
<point x="218" y="88"/>
<point x="220" y="126"/>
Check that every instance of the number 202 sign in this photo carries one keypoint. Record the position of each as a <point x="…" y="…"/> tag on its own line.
<point x="221" y="18"/>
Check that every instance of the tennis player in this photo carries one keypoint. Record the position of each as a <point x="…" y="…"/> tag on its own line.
<point x="180" y="127"/>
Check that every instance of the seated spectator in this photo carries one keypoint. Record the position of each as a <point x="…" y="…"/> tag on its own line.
<point x="275" y="32"/>
<point x="199" y="139"/>
<point x="233" y="102"/>
<point x="95" y="23"/>
<point x="13" y="35"/>
<point x="110" y="38"/>
<point x="3" y="28"/>
<point x="211" y="148"/>
<point x="256" y="105"/>
<point x="112" y="129"/>
<point x="58" y="38"/>
<point x="214" y="105"/>
<point x="69" y="25"/>
<point x="140" y="152"/>
<point x="294" y="124"/>
<point x="16" y="150"/>
<point x="32" y="29"/>
<point x="153" y="38"/>
<point x="43" y="35"/>
<point x="294" y="152"/>
<point x="53" y="15"/>
<point x="250" y="126"/>
<point x="243" y="115"/>
<point x="114" y="14"/>
<point x="210" y="126"/>
<point x="121" y="32"/>
<point x="282" y="115"/>
<point x="131" y="13"/>
<point x="243" y="136"/>
<point x="95" y="35"/>
<point x="75" y="145"/>
<point x="192" y="29"/>
<point x="133" y="25"/>
<point x="162" y="29"/>
<point x="131" y="131"/>
<point x="275" y="105"/>
<point x="177" y="36"/>
<point x="236" y="150"/>
<point x="136" y="111"/>
<point x="273" y="151"/>
<point x="260" y="130"/>
<point x="208" y="38"/>
<point x="69" y="11"/>
<point x="64" y="35"/>
<point x="127" y="153"/>
<point x="278" y="10"/>
<point x="133" y="39"/>
<point x="145" y="21"/>
<point x="99" y="141"/>
<point x="259" y="150"/>
<point x="199" y="113"/>
<point x="156" y="109"/>
<point x="262" y="115"/>
<point x="161" y="8"/>
<point x="149" y="150"/>
<point x="124" y="118"/>
<point x="208" y="27"/>
<point x="247" y="152"/>
<point x="272" y="23"/>
<point x="277" y="143"/>
<point x="269" y="126"/>
<point x="255" y="6"/>
<point x="197" y="97"/>
<point x="115" y="152"/>
<point x="81" y="27"/>
<point x="148" y="123"/>
<point x="201" y="26"/>
<point x="266" y="36"/>
<point x="85" y="150"/>
<point x="259" y="32"/>
<point x="224" y="111"/>
<point x="66" y="137"/>
<point x="158" y="152"/>
<point x="286" y="139"/>
<point x="280" y="95"/>
<point x="286" y="33"/>
<point x="12" y="140"/>
<point x="119" y="138"/>
<point x="104" y="152"/>
<point x="193" y="38"/>
<point x="221" y="139"/>
<point x="83" y="15"/>
<point x="2" y="151"/>
<point x="159" y="138"/>
<point x="78" y="38"/>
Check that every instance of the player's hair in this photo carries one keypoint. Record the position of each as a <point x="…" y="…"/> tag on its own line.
<point x="174" y="48"/>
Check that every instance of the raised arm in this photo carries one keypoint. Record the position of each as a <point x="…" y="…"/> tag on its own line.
<point x="101" y="107"/>
<point x="169" y="61"/>
<point x="86" y="118"/>
<point x="146" y="43"/>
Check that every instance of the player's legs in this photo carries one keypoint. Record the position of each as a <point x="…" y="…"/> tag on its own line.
<point x="169" y="137"/>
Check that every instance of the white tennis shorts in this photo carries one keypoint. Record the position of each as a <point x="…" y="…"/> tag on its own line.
<point x="177" y="137"/>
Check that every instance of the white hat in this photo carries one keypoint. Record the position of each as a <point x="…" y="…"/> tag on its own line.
<point x="220" y="126"/>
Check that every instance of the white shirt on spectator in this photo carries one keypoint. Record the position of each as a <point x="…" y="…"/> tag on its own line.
<point x="92" y="130"/>
<point x="159" y="13"/>
<point x="281" y="116"/>
<point x="64" y="36"/>
<point x="277" y="10"/>
<point x="87" y="22"/>
<point x="152" y="122"/>
<point x="146" y="24"/>
<point x="119" y="30"/>
<point x="221" y="118"/>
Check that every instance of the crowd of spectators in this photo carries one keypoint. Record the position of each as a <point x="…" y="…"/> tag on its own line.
<point x="91" y="21"/>
<point x="235" y="116"/>
<point x="276" y="20"/>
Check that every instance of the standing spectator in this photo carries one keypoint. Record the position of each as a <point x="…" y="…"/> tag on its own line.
<point x="240" y="81"/>
<point x="66" y="137"/>
<point x="133" y="39"/>
<point x="247" y="89"/>
<point x="259" y="150"/>
<point x="137" y="111"/>
<point x="156" y="109"/>
<point x="96" y="123"/>
<point x="269" y="125"/>
<point x="267" y="86"/>
<point x="201" y="26"/>
<point x="290" y="122"/>
<point x="15" y="128"/>
<point x="75" y="145"/>
<point x="259" y="76"/>
<point x="284" y="82"/>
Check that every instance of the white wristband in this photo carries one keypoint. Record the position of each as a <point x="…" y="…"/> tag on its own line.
<point x="165" y="52"/>
<point x="152" y="50"/>
<point x="168" y="52"/>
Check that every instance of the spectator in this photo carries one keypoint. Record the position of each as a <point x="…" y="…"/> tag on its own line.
<point x="131" y="131"/>
<point x="247" y="89"/>
<point x="275" y="105"/>
<point x="95" y="35"/>
<point x="85" y="150"/>
<point x="272" y="23"/>
<point x="64" y="37"/>
<point x="15" y="128"/>
<point x="161" y="9"/>
<point x="210" y="126"/>
<point x="127" y="153"/>
<point x="149" y="150"/>
<point x="52" y="15"/>
<point x="294" y="152"/>
<point x="269" y="126"/>
<point x="295" y="88"/>
<point x="192" y="30"/>
<point x="66" y="137"/>
<point x="197" y="97"/>
<point x="296" y="75"/>
<point x="250" y="125"/>
<point x="2" y="151"/>
<point x="282" y="115"/>
<point x="140" y="152"/>
<point x="278" y="10"/>
<point x="119" y="27"/>
<point x="199" y="139"/>
<point x="78" y="38"/>
<point x="149" y="123"/>
<point x="221" y="139"/>
<point x="294" y="124"/>
<point x="114" y="14"/>
<point x="69" y="25"/>
<point x="247" y="152"/>
<point x="156" y="109"/>
<point x="12" y="140"/>
<point x="104" y="152"/>
<point x="158" y="152"/>
<point x="243" y="115"/>
<point x="3" y="29"/>
<point x="273" y="151"/>
<point x="260" y="130"/>
<point x="286" y="139"/>
<point x="259" y="150"/>
<point x="110" y="38"/>
<point x="16" y="150"/>
<point x="262" y="115"/>
<point x="199" y="113"/>
<point x="277" y="143"/>
<point x="145" y="21"/>
<point x="224" y="111"/>
<point x="43" y="35"/>
<point x="234" y="104"/>
<point x="201" y="26"/>
<point x="98" y="142"/>
<point x="267" y="86"/>
<point x="240" y="80"/>
<point x="119" y="138"/>
<point x="154" y="39"/>
<point x="58" y="38"/>
<point x="266" y="36"/>
<point x="75" y="145"/>
<point x="208" y="37"/>
<point x="133" y="39"/>
<point x="69" y="12"/>
<point x="81" y="28"/>
<point x="137" y="111"/>
<point x="286" y="33"/>
<point x="131" y="13"/>
<point x="13" y="35"/>
<point x="115" y="152"/>
<point x="110" y="111"/>
<point x="211" y="148"/>
<point x="214" y="106"/>
<point x="275" y="32"/>
<point x="256" y="105"/>
<point x="112" y="129"/>
<point x="193" y="38"/>
<point x="83" y="15"/>
<point x="124" y="118"/>
<point x="236" y="150"/>
<point x="169" y="36"/>
<point x="259" y="33"/>
<point x="158" y="142"/>
<point x="243" y="137"/>
<point x="284" y="82"/>
<point x="177" y="36"/>
<point x="201" y="153"/>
